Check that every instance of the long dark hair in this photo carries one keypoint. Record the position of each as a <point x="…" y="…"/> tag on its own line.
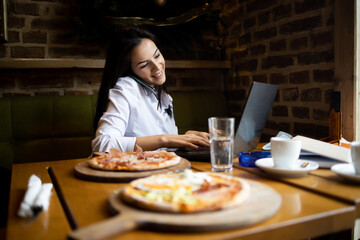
<point x="118" y="63"/>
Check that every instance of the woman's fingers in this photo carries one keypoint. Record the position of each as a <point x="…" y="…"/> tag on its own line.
<point x="185" y="144"/>
<point x="204" y="135"/>
<point x="190" y="140"/>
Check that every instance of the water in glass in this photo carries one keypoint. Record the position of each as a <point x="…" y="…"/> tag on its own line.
<point x="221" y="150"/>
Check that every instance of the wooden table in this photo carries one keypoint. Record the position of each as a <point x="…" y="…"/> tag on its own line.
<point x="303" y="213"/>
<point x="321" y="181"/>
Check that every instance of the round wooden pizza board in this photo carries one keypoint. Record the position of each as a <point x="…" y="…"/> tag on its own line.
<point x="84" y="171"/>
<point x="262" y="203"/>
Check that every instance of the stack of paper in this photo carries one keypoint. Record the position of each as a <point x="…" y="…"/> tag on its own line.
<point x="324" y="153"/>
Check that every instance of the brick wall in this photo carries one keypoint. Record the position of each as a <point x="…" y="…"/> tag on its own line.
<point x="37" y="82"/>
<point x="43" y="29"/>
<point x="288" y="43"/>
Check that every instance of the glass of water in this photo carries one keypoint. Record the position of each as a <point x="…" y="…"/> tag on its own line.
<point x="221" y="132"/>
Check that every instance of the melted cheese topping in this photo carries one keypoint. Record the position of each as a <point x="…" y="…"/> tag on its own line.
<point x="186" y="179"/>
<point x="178" y="188"/>
<point x="119" y="160"/>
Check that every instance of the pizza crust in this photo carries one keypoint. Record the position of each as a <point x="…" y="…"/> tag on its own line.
<point x="222" y="198"/>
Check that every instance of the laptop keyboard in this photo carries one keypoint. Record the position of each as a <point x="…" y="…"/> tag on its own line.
<point x="202" y="154"/>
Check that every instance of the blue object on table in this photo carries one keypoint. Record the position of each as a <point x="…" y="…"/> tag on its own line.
<point x="247" y="159"/>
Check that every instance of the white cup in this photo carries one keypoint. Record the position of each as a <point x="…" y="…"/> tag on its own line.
<point x="355" y="156"/>
<point x="285" y="152"/>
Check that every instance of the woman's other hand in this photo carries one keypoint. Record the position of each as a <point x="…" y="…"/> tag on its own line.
<point x="191" y="140"/>
<point x="204" y="135"/>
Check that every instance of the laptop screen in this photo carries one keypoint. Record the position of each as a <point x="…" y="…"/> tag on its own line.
<point x="257" y="108"/>
<point x="254" y="117"/>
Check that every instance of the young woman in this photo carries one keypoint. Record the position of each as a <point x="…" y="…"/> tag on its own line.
<point x="133" y="108"/>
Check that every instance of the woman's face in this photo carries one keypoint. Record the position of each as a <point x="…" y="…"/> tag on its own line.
<point x="148" y="63"/>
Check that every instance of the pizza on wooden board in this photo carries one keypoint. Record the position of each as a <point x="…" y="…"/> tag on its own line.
<point x="134" y="161"/>
<point x="186" y="192"/>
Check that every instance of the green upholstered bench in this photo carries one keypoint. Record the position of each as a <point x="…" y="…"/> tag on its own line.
<point x="192" y="109"/>
<point x="45" y="128"/>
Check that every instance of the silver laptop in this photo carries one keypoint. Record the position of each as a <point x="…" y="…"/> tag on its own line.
<point x="257" y="108"/>
<point x="254" y="117"/>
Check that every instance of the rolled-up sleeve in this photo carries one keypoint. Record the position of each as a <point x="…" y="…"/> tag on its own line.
<point x="104" y="141"/>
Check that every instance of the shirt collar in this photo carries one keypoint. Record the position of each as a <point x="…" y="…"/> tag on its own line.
<point x="153" y="90"/>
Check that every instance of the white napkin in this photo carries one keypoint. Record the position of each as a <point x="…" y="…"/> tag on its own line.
<point x="42" y="199"/>
<point x="36" y="197"/>
<point x="33" y="189"/>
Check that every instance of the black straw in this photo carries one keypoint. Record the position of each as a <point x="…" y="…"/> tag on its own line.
<point x="65" y="205"/>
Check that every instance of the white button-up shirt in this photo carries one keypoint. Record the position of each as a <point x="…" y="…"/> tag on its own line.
<point x="132" y="112"/>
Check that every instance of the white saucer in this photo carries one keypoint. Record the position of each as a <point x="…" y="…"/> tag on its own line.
<point x="267" y="165"/>
<point x="346" y="171"/>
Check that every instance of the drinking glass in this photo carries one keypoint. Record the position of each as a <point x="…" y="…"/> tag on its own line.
<point x="221" y="132"/>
